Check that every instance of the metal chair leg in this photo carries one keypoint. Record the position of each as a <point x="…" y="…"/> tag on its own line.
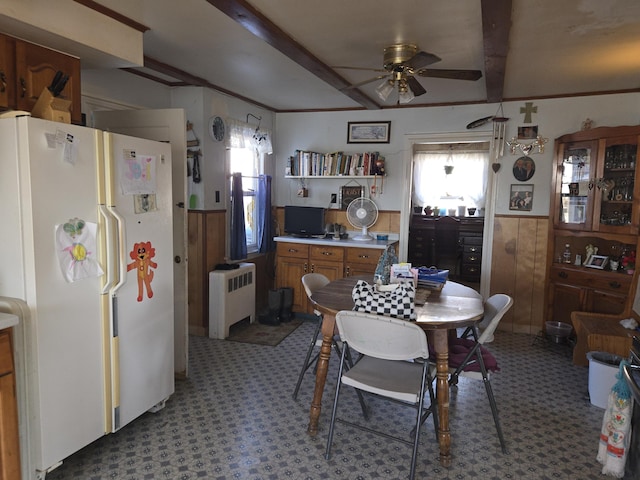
<point x="307" y="363"/>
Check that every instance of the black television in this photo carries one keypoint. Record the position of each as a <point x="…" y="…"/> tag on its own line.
<point x="304" y="221"/>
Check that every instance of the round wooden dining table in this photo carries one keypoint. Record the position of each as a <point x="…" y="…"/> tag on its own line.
<point x="454" y="307"/>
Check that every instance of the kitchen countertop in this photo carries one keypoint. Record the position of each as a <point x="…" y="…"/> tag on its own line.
<point x="347" y="242"/>
<point x="7" y="320"/>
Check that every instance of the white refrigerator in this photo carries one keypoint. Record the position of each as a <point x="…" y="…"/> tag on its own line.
<point x="86" y="242"/>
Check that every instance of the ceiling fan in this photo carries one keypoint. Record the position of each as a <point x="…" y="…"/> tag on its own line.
<point x="400" y="63"/>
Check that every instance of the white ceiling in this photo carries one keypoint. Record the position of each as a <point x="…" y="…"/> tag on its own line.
<point x="554" y="48"/>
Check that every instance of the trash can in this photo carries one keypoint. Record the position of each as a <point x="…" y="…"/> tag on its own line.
<point x="603" y="368"/>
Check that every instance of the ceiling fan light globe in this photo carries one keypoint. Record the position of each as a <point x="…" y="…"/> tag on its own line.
<point x="384" y="89"/>
<point x="405" y="96"/>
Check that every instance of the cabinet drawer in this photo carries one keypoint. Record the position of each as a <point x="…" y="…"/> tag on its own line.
<point x="320" y="252"/>
<point x="472" y="241"/>
<point x="369" y="256"/>
<point x="296" y="250"/>
<point x="471" y="270"/>
<point x="6" y="353"/>
<point x="472" y="258"/>
<point x="613" y="282"/>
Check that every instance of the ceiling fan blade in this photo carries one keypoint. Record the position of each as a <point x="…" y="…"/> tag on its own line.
<point x="421" y="60"/>
<point x="451" y="74"/>
<point x="363" y="68"/>
<point x="364" y="82"/>
<point x="415" y="86"/>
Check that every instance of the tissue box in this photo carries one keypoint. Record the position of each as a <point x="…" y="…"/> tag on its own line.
<point x="52" y="108"/>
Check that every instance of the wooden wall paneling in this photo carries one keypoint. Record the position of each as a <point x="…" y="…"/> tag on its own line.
<point x="525" y="262"/>
<point x="539" y="276"/>
<point x="503" y="263"/>
<point x="196" y="255"/>
<point x="519" y="270"/>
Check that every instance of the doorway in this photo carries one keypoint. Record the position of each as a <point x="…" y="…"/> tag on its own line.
<point x="450" y="174"/>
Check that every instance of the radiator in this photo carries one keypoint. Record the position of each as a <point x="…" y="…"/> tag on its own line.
<point x="232" y="297"/>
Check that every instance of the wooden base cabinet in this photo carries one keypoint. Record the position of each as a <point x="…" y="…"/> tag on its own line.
<point x="9" y="436"/>
<point x="297" y="259"/>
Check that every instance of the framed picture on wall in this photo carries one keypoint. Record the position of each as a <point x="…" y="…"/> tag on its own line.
<point x="349" y="193"/>
<point x="368" y="132"/>
<point x="521" y="197"/>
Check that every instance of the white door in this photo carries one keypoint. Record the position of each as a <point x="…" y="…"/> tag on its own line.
<point x="165" y="125"/>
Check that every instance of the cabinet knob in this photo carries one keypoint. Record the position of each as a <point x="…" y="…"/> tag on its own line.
<point x="614" y="284"/>
<point x="327" y="253"/>
<point x="292" y="250"/>
<point x="305" y="268"/>
<point x="473" y="259"/>
<point x="347" y="272"/>
<point x="563" y="274"/>
<point x="23" y="86"/>
<point x="363" y="256"/>
<point x="3" y="80"/>
<point x="313" y="267"/>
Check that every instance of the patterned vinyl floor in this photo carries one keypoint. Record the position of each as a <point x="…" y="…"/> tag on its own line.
<point x="234" y="418"/>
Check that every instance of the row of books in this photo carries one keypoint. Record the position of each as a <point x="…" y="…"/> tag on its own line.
<point x="314" y="164"/>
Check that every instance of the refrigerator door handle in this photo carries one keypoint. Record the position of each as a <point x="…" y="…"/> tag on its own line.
<point x="120" y="240"/>
<point x="108" y="226"/>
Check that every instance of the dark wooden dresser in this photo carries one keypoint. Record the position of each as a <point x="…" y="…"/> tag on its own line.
<point x="452" y="243"/>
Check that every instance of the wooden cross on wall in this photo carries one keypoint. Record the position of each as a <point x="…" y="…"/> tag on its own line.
<point x="528" y="109"/>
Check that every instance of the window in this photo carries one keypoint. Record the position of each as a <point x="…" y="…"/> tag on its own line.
<point x="450" y="178"/>
<point x="247" y="162"/>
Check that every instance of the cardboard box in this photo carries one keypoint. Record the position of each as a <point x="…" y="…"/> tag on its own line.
<point x="52" y="108"/>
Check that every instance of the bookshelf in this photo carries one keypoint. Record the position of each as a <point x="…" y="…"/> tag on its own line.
<point x="308" y="164"/>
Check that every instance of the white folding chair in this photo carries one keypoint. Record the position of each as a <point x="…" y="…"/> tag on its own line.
<point x="386" y="368"/>
<point x="474" y="365"/>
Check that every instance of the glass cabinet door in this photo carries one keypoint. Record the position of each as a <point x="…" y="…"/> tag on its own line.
<point x="576" y="187"/>
<point x="616" y="184"/>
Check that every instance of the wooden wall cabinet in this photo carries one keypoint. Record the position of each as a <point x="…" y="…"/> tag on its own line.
<point x="26" y="69"/>
<point x="595" y="201"/>
<point x="9" y="436"/>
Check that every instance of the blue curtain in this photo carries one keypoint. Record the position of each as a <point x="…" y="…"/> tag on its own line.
<point x="238" y="250"/>
<point x="264" y="224"/>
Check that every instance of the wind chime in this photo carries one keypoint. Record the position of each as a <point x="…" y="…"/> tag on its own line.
<point x="498" y="137"/>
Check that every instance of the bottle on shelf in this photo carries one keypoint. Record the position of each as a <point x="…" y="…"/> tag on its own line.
<point x="566" y="255"/>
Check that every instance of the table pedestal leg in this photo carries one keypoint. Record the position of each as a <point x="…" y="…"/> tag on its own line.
<point x="328" y="325"/>
<point x="441" y="345"/>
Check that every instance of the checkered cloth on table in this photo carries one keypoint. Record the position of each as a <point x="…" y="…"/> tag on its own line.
<point x="398" y="303"/>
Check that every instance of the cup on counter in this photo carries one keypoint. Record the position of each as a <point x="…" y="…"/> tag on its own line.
<point x="472" y="211"/>
<point x="452" y="212"/>
<point x="443" y="212"/>
<point x="461" y="209"/>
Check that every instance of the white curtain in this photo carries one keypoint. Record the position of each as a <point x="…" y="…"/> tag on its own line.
<point x="465" y="185"/>
<point x="245" y="135"/>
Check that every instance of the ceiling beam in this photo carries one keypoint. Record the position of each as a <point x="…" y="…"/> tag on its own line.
<point x="496" y="24"/>
<point x="254" y="21"/>
<point x="188" y="79"/>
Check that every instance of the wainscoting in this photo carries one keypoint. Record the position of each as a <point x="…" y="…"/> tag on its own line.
<point x="518" y="268"/>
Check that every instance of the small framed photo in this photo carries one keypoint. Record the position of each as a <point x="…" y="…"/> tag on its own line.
<point x="527" y="132"/>
<point x="597" y="261"/>
<point x="368" y="132"/>
<point x="521" y="197"/>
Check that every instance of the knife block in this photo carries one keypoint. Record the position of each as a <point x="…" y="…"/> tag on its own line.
<point x="52" y="108"/>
